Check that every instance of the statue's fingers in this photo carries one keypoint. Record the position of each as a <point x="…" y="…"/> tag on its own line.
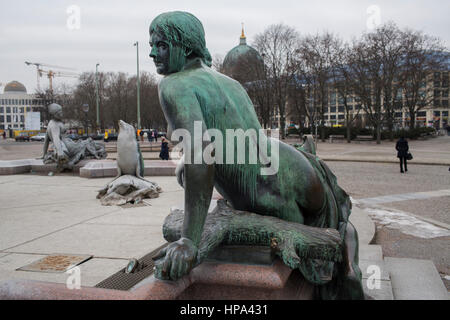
<point x="176" y="267"/>
<point x="165" y="266"/>
<point x="159" y="272"/>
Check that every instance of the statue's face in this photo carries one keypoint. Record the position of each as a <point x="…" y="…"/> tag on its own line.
<point x="160" y="52"/>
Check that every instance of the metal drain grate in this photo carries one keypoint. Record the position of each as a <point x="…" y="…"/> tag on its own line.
<point x="125" y="281"/>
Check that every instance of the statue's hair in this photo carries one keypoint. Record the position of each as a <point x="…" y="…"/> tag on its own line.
<point x="183" y="29"/>
<point x="53" y="108"/>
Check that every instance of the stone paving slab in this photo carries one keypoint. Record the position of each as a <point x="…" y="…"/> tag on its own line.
<point x="363" y="224"/>
<point x="368" y="268"/>
<point x="382" y="293"/>
<point x="415" y="279"/>
<point x="370" y="252"/>
<point x="91" y="271"/>
<point x="20" y="225"/>
<point x="99" y="240"/>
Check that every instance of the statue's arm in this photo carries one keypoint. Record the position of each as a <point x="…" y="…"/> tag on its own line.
<point x="182" y="110"/>
<point x="46" y="143"/>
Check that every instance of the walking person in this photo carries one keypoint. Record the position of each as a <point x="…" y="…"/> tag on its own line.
<point x="164" y="154"/>
<point x="4" y="135"/>
<point x="155" y="135"/>
<point x="402" y="152"/>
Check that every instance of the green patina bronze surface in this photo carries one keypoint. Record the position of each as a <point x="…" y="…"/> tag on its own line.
<point x="302" y="191"/>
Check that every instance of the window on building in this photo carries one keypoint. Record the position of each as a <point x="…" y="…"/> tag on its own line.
<point x="22" y="118"/>
<point x="333" y="117"/>
<point x="28" y="109"/>
<point x="14" y="109"/>
<point x="445" y="93"/>
<point x="422" y="114"/>
<point x="8" y="109"/>
<point x="436" y="103"/>
<point x="341" y="116"/>
<point x="341" y="109"/>
<point x="436" y="113"/>
<point x="445" y="103"/>
<point x="437" y="94"/>
<point x="22" y="109"/>
<point x="333" y="109"/>
<point x="445" y="113"/>
<point x="2" y="118"/>
<point x="398" y="114"/>
<point x="8" y="118"/>
<point x="1" y="109"/>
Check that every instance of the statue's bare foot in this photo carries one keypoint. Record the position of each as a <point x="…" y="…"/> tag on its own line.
<point x="176" y="260"/>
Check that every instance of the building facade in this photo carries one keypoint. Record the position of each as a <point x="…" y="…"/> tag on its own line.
<point x="434" y="114"/>
<point x="15" y="103"/>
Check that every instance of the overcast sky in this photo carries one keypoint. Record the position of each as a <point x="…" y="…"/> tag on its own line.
<point x="43" y="31"/>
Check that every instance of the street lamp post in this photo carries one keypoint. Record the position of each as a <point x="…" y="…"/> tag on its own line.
<point x="96" y="95"/>
<point x="136" y="44"/>
<point x="86" y="110"/>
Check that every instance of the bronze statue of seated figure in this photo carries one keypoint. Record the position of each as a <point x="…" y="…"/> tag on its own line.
<point x="302" y="191"/>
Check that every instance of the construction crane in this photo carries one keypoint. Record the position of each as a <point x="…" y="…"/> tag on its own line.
<point x="50" y="73"/>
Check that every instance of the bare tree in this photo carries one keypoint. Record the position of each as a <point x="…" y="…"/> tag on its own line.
<point x="217" y="63"/>
<point x="342" y="81"/>
<point x="316" y="52"/>
<point x="277" y="45"/>
<point x="423" y="55"/>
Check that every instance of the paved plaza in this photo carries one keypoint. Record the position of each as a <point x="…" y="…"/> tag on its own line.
<point x="44" y="214"/>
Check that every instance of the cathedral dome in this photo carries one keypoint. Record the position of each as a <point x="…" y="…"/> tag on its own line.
<point x="15" y="86"/>
<point x="241" y="57"/>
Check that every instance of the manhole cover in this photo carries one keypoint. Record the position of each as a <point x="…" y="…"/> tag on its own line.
<point x="57" y="263"/>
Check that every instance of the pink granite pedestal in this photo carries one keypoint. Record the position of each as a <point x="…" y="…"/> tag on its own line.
<point x="209" y="280"/>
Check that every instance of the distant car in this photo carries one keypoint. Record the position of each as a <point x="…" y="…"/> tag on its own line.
<point x="22" y="137"/>
<point x="95" y="136"/>
<point x="38" y="137"/>
<point x="162" y="134"/>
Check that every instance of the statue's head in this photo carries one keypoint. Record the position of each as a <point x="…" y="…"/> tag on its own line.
<point x="176" y="37"/>
<point x="55" y="111"/>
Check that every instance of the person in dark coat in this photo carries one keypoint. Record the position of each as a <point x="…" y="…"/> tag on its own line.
<point x="164" y="154"/>
<point x="402" y="152"/>
<point x="155" y="135"/>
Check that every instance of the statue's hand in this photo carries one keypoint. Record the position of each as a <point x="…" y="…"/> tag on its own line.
<point x="176" y="260"/>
